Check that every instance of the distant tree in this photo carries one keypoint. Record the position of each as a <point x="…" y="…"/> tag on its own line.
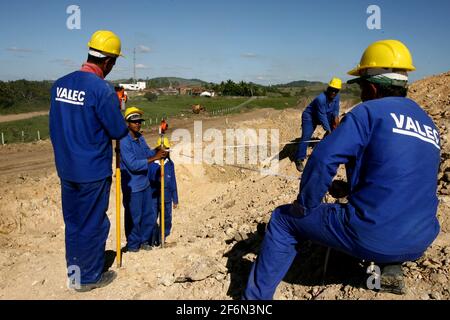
<point x="150" y="96"/>
<point x="24" y="92"/>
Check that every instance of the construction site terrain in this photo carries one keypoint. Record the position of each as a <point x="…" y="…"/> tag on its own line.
<point x="218" y="226"/>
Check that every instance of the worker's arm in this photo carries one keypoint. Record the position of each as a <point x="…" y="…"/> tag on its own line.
<point x="156" y="154"/>
<point x="321" y="109"/>
<point x="336" y="106"/>
<point x="109" y="115"/>
<point x="128" y="157"/>
<point x="174" y="187"/>
<point x="347" y="141"/>
<point x="335" y="123"/>
<point x="160" y="153"/>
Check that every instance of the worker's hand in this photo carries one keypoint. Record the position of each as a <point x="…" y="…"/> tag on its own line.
<point x="339" y="189"/>
<point x="326" y="133"/>
<point x="335" y="123"/>
<point x="175" y="205"/>
<point x="160" y="154"/>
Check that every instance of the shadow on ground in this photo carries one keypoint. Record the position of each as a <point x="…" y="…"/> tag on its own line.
<point x="110" y="257"/>
<point x="290" y="150"/>
<point x="306" y="270"/>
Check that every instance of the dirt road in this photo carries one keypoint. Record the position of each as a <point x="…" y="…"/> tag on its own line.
<point x="37" y="156"/>
<point x="21" y="116"/>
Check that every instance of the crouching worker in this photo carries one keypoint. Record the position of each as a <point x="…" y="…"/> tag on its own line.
<point x="135" y="155"/>
<point x="324" y="111"/>
<point x="391" y="149"/>
<point x="170" y="192"/>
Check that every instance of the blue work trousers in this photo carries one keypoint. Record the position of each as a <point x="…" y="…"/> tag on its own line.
<point x="84" y="208"/>
<point x="286" y="228"/>
<point x="167" y="221"/>
<point x="140" y="217"/>
<point x="308" y="127"/>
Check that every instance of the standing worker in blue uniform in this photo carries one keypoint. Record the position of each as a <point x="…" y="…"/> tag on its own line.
<point x="84" y="118"/>
<point x="170" y="191"/>
<point x="391" y="149"/>
<point x="135" y="156"/>
<point x="324" y="111"/>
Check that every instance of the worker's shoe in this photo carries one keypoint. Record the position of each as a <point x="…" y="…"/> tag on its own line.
<point x="392" y="279"/>
<point x="299" y="165"/>
<point x="128" y="249"/>
<point x="106" y="278"/>
<point x="146" y="247"/>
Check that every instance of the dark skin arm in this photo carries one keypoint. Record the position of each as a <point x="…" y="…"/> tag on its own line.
<point x="335" y="123"/>
<point x="160" y="154"/>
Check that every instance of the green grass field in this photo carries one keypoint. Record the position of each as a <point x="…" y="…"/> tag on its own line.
<point x="26" y="107"/>
<point x="12" y="131"/>
<point x="175" y="106"/>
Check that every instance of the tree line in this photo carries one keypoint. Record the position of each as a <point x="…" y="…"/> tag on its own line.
<point x="231" y="88"/>
<point x="19" y="92"/>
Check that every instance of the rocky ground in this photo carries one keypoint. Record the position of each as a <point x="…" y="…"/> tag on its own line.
<point x="218" y="227"/>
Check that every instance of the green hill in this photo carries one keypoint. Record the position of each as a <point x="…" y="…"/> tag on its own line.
<point x="300" y="83"/>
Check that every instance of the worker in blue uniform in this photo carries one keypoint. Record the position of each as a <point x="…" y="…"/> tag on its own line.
<point x="84" y="118"/>
<point x="324" y="111"/>
<point x="391" y="149"/>
<point x="170" y="191"/>
<point x="135" y="156"/>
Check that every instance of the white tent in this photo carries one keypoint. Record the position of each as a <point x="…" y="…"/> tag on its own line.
<point x="206" y="94"/>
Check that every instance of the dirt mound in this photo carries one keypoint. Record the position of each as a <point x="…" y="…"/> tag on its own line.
<point x="433" y="94"/>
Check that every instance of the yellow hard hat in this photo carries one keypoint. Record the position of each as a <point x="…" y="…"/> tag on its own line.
<point x="106" y="42"/>
<point x="133" y="113"/>
<point x="166" y="143"/>
<point x="385" y="54"/>
<point x="335" y="83"/>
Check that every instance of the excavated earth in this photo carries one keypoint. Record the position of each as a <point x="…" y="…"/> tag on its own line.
<point x="218" y="226"/>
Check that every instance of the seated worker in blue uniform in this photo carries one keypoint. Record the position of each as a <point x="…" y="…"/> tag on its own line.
<point x="170" y="191"/>
<point x="324" y="111"/>
<point x="135" y="156"/>
<point x="391" y="149"/>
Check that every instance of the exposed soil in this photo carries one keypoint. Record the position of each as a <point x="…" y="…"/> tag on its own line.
<point x="218" y="226"/>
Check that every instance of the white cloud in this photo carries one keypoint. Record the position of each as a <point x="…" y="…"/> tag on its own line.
<point x="142" y="66"/>
<point x="66" y="63"/>
<point x="177" y="68"/>
<point x="16" y="49"/>
<point x="249" y="55"/>
<point x="143" y="49"/>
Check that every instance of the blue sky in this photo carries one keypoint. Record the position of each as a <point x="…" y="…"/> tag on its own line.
<point x="264" y="41"/>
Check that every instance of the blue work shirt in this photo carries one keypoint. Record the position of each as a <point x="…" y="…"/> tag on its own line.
<point x="134" y="164"/>
<point x="170" y="181"/>
<point x="391" y="149"/>
<point x="84" y="118"/>
<point x="321" y="112"/>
